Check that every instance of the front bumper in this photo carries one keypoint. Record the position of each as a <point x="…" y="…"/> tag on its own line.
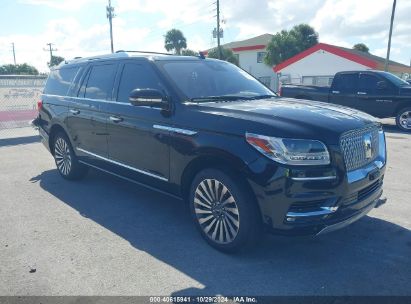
<point x="312" y="201"/>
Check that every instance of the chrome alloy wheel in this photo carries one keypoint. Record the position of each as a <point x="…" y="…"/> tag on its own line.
<point x="62" y="156"/>
<point x="405" y="120"/>
<point x="216" y="211"/>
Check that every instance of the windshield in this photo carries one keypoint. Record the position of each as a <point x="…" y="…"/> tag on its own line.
<point x="395" y="80"/>
<point x="202" y="79"/>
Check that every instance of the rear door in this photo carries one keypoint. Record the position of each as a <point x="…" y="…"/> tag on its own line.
<point x="86" y="121"/>
<point x="344" y="90"/>
<point x="55" y="95"/>
<point x="133" y="140"/>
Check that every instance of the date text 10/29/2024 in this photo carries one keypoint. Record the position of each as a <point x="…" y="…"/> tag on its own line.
<point x="202" y="299"/>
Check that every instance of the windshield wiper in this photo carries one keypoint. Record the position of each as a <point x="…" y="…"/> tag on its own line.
<point x="218" y="98"/>
<point x="262" y="97"/>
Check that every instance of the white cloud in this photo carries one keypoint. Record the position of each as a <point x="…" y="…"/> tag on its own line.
<point x="340" y="22"/>
<point x="60" y="4"/>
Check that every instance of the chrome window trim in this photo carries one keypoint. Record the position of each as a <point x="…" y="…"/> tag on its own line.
<point x="111" y="102"/>
<point x="319" y="178"/>
<point x="175" y="130"/>
<point x="123" y="165"/>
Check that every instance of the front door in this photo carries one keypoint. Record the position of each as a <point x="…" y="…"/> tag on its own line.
<point x="133" y="141"/>
<point x="375" y="95"/>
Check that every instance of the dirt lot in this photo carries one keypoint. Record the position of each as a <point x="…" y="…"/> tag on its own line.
<point x="104" y="236"/>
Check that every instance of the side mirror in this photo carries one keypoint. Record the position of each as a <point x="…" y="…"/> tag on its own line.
<point x="148" y="97"/>
<point x="381" y="85"/>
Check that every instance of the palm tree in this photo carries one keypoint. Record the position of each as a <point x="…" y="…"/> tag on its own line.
<point x="175" y="40"/>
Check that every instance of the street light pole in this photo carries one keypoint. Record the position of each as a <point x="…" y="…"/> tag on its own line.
<point x="389" y="37"/>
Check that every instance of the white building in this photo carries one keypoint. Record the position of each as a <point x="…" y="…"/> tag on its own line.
<point x="251" y="54"/>
<point x="318" y="65"/>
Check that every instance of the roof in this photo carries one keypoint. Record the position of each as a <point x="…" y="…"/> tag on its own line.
<point x="255" y="43"/>
<point x="127" y="54"/>
<point x="369" y="60"/>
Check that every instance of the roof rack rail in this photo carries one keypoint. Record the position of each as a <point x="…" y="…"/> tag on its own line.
<point x="143" y="52"/>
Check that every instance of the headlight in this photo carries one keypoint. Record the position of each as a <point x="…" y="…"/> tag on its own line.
<point x="290" y="151"/>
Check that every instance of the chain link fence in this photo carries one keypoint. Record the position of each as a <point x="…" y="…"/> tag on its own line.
<point x="18" y="102"/>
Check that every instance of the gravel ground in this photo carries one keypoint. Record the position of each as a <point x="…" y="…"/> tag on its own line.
<point x="104" y="236"/>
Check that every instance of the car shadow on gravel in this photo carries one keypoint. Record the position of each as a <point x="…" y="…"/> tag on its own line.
<point x="370" y="257"/>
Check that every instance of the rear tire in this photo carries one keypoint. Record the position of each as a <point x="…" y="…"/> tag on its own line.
<point x="403" y="119"/>
<point x="224" y="211"/>
<point x="66" y="161"/>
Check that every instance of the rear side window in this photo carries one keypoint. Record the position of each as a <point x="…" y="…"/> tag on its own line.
<point x="59" y="81"/>
<point x="100" y="82"/>
<point x="368" y="83"/>
<point x="346" y="83"/>
<point x="136" y="76"/>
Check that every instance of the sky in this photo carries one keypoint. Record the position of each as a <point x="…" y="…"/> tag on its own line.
<point x="80" y="27"/>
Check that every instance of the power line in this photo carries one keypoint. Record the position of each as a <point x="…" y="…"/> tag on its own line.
<point x="110" y="16"/>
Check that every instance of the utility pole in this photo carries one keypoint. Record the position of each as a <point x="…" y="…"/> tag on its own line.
<point x="14" y="53"/>
<point x="110" y="16"/>
<point x="220" y="55"/>
<point x="51" y="50"/>
<point x="389" y="37"/>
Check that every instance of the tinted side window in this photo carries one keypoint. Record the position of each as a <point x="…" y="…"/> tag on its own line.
<point x="346" y="83"/>
<point x="100" y="82"/>
<point x="59" y="81"/>
<point x="136" y="76"/>
<point x="368" y="83"/>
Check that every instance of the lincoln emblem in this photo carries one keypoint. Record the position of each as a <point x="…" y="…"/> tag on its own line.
<point x="368" y="146"/>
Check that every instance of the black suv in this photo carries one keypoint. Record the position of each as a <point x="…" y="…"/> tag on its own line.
<point x="207" y="132"/>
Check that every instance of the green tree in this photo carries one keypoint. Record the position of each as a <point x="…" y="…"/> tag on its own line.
<point x="227" y="55"/>
<point x="286" y="44"/>
<point x="175" y="40"/>
<point x="361" y="47"/>
<point x="188" y="52"/>
<point x="55" y="60"/>
<point x="18" y="69"/>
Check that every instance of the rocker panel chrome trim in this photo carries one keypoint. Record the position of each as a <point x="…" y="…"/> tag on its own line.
<point x="123" y="165"/>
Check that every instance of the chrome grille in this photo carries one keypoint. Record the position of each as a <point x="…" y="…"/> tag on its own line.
<point x="354" y="147"/>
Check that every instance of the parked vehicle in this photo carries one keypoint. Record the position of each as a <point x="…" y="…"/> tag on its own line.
<point x="206" y="132"/>
<point x="377" y="93"/>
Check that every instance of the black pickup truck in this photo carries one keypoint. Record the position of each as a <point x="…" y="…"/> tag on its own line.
<point x="377" y="93"/>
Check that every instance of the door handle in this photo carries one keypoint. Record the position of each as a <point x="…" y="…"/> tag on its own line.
<point x="361" y="93"/>
<point x="336" y="92"/>
<point x="75" y="112"/>
<point x="116" y="119"/>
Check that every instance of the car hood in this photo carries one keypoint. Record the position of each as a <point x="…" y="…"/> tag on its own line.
<point x="288" y="117"/>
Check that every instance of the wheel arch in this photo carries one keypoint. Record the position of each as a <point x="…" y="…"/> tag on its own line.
<point x="229" y="164"/>
<point x="401" y="106"/>
<point x="55" y="129"/>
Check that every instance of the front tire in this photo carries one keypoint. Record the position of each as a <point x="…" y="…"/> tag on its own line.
<point x="403" y="119"/>
<point x="224" y="211"/>
<point x="65" y="159"/>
